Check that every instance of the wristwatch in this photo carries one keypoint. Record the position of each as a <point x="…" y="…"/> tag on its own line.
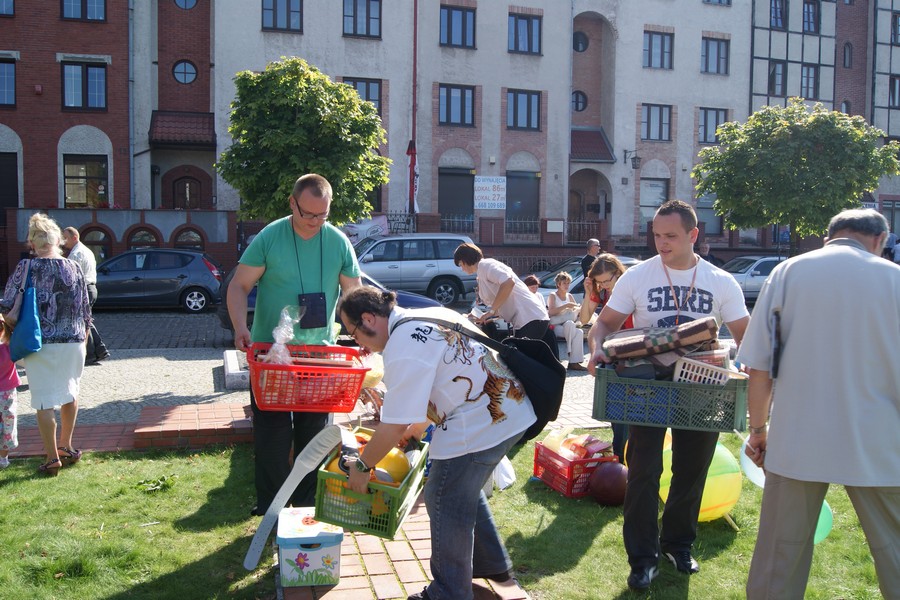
<point x="361" y="466"/>
<point x="757" y="430"/>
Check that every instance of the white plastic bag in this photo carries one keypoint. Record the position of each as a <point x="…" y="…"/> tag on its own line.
<point x="504" y="474"/>
<point x="282" y="334"/>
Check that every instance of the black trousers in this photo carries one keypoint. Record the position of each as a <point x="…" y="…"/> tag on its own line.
<point x="95" y="347"/>
<point x="274" y="433"/>
<point x="692" y="453"/>
<point x="539" y="330"/>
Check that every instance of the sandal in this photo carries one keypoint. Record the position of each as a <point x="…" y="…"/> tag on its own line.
<point x="51" y="467"/>
<point x="68" y="455"/>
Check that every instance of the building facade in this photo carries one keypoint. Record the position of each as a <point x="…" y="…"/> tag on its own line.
<point x="530" y="126"/>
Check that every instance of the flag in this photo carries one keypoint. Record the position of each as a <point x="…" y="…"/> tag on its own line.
<point x="413" y="177"/>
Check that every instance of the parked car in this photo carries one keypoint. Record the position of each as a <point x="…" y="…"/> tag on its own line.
<point x="404" y="300"/>
<point x="573" y="267"/>
<point x="417" y="262"/>
<point x="751" y="272"/>
<point x="159" y="277"/>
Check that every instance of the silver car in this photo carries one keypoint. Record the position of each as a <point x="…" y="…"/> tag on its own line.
<point x="417" y="262"/>
<point x="751" y="272"/>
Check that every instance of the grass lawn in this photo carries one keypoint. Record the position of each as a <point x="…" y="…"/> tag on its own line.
<point x="564" y="548"/>
<point x="94" y="532"/>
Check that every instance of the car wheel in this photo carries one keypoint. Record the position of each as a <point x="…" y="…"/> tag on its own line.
<point x="195" y="300"/>
<point x="446" y="291"/>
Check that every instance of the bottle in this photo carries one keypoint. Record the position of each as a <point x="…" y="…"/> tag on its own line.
<point x="555" y="438"/>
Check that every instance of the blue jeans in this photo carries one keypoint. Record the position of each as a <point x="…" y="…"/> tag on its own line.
<point x="464" y="539"/>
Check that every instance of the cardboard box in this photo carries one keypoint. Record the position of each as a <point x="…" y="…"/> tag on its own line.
<point x="309" y="551"/>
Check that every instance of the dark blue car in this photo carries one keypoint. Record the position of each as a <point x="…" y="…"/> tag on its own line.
<point x="404" y="300"/>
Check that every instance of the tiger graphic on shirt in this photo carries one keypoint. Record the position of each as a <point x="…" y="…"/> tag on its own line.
<point x="500" y="384"/>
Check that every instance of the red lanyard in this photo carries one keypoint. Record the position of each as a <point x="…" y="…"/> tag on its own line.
<point x="672" y="288"/>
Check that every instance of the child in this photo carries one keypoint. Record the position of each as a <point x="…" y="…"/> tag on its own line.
<point x="9" y="380"/>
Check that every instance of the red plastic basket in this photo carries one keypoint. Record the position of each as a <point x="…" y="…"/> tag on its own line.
<point x="306" y="387"/>
<point x="568" y="477"/>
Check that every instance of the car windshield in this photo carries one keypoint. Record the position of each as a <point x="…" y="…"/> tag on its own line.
<point x="739" y="264"/>
<point x="571" y="266"/>
<point x="363" y="245"/>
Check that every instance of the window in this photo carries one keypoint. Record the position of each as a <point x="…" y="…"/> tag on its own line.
<point x="457" y="27"/>
<point x="809" y="81"/>
<point x="386" y="252"/>
<point x="84" y="10"/>
<point x="653" y="193"/>
<point x="7" y="83"/>
<point x="97" y="242"/>
<point x="86" y="181"/>
<point x="184" y="72"/>
<point x="84" y="85"/>
<point x="810" y="16"/>
<point x="656" y="122"/>
<point x="710" y="119"/>
<point x="848" y="55"/>
<point x="283" y="15"/>
<point x="579" y="101"/>
<point x="523" y="110"/>
<point x="523" y="193"/>
<point x="368" y="89"/>
<point x="142" y="238"/>
<point x="777" y="14"/>
<point x="722" y="2"/>
<point x="186" y="4"/>
<point x="706" y="214"/>
<point x="895" y="29"/>
<point x="777" y="77"/>
<point x="457" y="105"/>
<point x="894" y="97"/>
<point x="524" y="34"/>
<point x="714" y="56"/>
<point x="189" y="239"/>
<point x="7" y="8"/>
<point x="845" y="107"/>
<point x="362" y="18"/>
<point x="580" y="41"/>
<point x="658" y="50"/>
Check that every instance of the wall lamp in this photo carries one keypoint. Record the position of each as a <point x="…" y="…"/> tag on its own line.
<point x="635" y="159"/>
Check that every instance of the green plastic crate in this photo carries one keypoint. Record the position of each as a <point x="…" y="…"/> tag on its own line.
<point x="380" y="511"/>
<point x="669" y="404"/>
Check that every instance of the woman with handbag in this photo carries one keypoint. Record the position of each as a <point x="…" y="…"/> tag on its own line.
<point x="64" y="314"/>
<point x="563" y="311"/>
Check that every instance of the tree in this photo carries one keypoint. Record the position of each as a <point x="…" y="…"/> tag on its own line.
<point x="291" y="119"/>
<point x="793" y="165"/>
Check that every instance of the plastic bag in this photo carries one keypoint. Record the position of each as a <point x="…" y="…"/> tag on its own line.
<point x="282" y="334"/>
<point x="504" y="474"/>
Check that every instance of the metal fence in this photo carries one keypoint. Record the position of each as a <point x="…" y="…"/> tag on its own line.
<point x="451" y="223"/>
<point x="579" y="232"/>
<point x="531" y="263"/>
<point x="522" y="230"/>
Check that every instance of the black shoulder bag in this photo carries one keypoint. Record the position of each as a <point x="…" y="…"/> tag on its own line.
<point x="533" y="364"/>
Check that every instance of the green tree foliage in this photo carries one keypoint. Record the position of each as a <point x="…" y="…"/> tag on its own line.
<point x="291" y="119"/>
<point x="793" y="165"/>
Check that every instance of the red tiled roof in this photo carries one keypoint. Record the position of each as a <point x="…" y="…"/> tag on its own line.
<point x="590" y="145"/>
<point x="182" y="129"/>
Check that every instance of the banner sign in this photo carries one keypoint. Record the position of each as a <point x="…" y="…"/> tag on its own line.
<point x="490" y="193"/>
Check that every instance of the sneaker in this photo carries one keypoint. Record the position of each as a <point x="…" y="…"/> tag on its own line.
<point x="423" y="595"/>
<point x="683" y="561"/>
<point x="4" y="462"/>
<point x="574" y="366"/>
<point x="640" y="577"/>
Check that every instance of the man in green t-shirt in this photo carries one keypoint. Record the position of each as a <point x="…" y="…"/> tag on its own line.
<point x="298" y="259"/>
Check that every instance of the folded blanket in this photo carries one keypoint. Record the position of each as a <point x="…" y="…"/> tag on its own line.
<point x="635" y="343"/>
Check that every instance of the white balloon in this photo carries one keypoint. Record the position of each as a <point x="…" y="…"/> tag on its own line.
<point x="753" y="472"/>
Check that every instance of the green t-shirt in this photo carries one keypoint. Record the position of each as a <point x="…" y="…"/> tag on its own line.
<point x="310" y="266"/>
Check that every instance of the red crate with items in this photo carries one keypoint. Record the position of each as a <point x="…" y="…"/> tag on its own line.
<point x="567" y="476"/>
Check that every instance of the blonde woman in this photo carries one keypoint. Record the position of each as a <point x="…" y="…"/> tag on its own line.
<point x="54" y="371"/>
<point x="563" y="311"/>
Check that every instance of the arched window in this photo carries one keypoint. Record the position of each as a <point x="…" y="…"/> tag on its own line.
<point x="580" y="41"/>
<point x="142" y="238"/>
<point x="97" y="242"/>
<point x="189" y="239"/>
<point x="186" y="194"/>
<point x="845" y="107"/>
<point x="185" y="4"/>
<point x="848" y="55"/>
<point x="579" y="101"/>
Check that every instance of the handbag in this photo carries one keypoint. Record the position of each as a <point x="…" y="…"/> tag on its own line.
<point x="533" y="364"/>
<point x="26" y="336"/>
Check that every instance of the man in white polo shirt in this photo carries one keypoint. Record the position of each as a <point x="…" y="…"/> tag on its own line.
<point x="96" y="349"/>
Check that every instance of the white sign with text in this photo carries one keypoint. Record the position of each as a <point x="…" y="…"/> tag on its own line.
<point x="490" y="193"/>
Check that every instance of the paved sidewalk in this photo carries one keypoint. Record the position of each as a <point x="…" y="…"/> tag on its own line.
<point x="170" y="391"/>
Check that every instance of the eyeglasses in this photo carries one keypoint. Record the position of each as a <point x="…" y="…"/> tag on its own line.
<point x="308" y="215"/>
<point x="355" y="329"/>
<point x="605" y="282"/>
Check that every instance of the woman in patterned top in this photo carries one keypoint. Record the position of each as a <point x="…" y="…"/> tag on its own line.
<point x="54" y="372"/>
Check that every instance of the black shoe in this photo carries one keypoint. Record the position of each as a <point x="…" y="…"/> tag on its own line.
<point x="498" y="577"/>
<point x="683" y="561"/>
<point x="103" y="355"/>
<point x="254" y="512"/>
<point x="423" y="595"/>
<point x="640" y="577"/>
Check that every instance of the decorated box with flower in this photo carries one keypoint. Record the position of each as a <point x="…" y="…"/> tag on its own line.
<point x="309" y="551"/>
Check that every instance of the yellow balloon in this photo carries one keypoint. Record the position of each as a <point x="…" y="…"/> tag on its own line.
<point x="667" y="443"/>
<point x="723" y="483"/>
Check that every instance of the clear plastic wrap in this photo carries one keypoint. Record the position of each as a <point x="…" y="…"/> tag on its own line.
<point x="282" y="334"/>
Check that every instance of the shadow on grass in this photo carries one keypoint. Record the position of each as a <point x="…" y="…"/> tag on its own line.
<point x="231" y="502"/>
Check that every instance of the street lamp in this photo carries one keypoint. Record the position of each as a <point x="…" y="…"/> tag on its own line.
<point x="635" y="159"/>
